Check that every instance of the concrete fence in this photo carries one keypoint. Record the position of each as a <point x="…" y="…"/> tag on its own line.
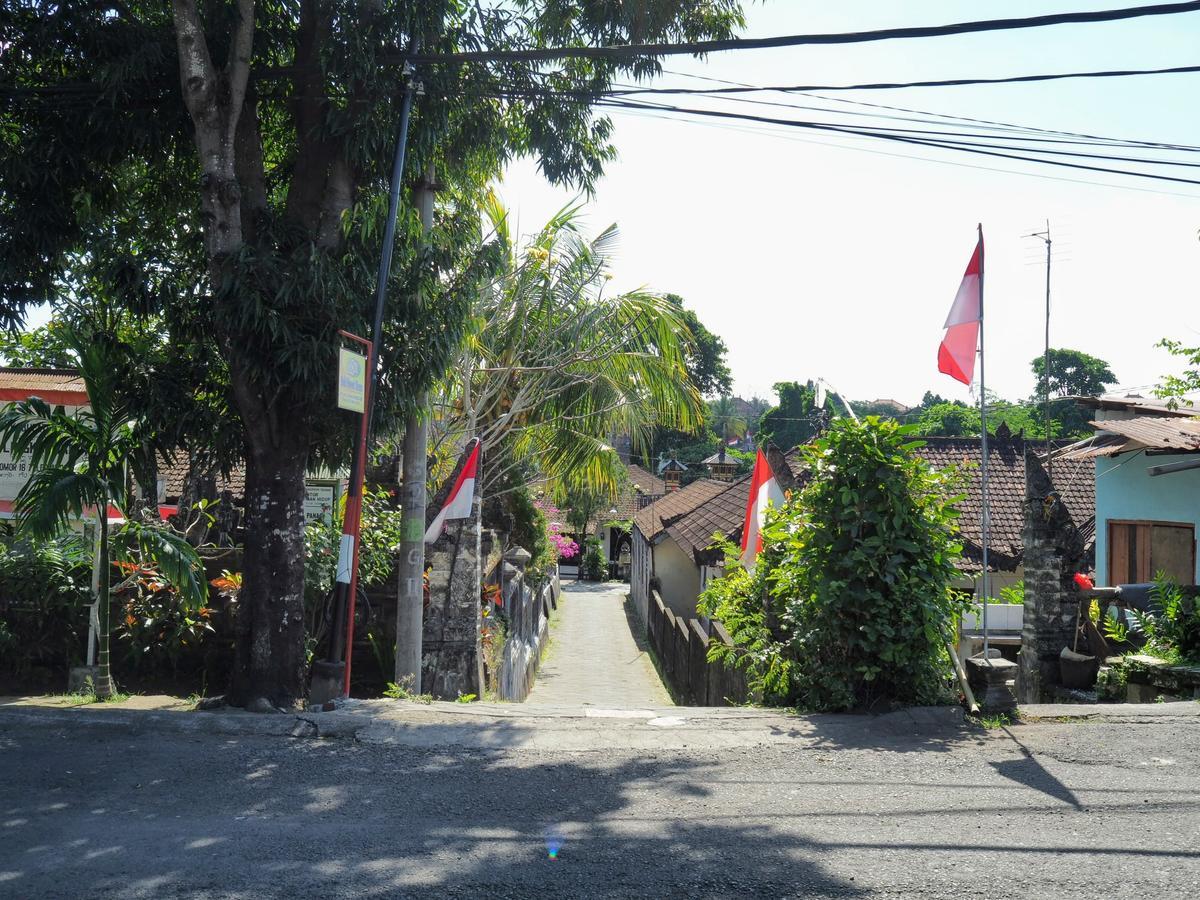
<point x="682" y="648"/>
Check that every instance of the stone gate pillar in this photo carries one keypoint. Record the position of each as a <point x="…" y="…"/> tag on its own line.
<point x="1054" y="552"/>
<point x="451" y="658"/>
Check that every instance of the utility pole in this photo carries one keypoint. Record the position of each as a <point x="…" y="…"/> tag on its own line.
<point x="410" y="608"/>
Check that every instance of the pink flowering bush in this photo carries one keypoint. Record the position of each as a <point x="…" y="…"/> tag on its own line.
<point x="566" y="547"/>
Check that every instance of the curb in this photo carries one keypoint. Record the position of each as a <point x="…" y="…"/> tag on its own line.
<point x="1178" y="712"/>
<point x="231" y="722"/>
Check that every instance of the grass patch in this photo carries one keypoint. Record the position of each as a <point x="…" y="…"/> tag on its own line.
<point x="403" y="691"/>
<point x="86" y="698"/>
<point x="994" y="721"/>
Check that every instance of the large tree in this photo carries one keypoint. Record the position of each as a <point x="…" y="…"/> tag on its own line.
<point x="795" y="419"/>
<point x="1072" y="373"/>
<point x="250" y="143"/>
<point x="706" y="364"/>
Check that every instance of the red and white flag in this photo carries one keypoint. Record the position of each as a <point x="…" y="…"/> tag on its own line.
<point x="956" y="355"/>
<point x="764" y="489"/>
<point x="462" y="495"/>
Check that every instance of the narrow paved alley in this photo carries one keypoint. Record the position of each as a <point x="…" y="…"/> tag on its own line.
<point x="594" y="658"/>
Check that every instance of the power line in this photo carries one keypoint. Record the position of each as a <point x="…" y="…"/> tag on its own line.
<point x="897" y="85"/>
<point x="974" y="121"/>
<point x="887" y="134"/>
<point x="786" y="134"/>
<point x="628" y="51"/>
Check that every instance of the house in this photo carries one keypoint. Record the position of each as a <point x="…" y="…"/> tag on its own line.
<point x="691" y="531"/>
<point x="614" y="525"/>
<point x="58" y="387"/>
<point x="721" y="466"/>
<point x="1145" y="461"/>
<point x="656" y="554"/>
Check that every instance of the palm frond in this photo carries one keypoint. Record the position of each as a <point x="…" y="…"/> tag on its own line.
<point x="173" y="556"/>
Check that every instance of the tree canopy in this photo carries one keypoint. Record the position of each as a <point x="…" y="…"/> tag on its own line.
<point x="705" y="354"/>
<point x="795" y="419"/>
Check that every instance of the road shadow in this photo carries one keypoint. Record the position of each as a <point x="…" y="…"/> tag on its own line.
<point x="148" y="816"/>
<point x="101" y="811"/>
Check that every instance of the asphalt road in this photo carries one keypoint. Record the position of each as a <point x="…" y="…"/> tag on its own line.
<point x="1045" y="810"/>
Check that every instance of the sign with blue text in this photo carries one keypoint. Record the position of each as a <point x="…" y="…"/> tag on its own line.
<point x="352" y="381"/>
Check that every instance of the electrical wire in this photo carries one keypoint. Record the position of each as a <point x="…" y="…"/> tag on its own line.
<point x="891" y="135"/>
<point x="634" y="51"/>
<point x="971" y="121"/>
<point x="900" y="85"/>
<point x="788" y="134"/>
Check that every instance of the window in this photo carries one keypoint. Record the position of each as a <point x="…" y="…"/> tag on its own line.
<point x="1139" y="550"/>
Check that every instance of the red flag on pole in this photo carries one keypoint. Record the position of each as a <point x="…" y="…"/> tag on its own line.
<point x="458" y="504"/>
<point x="956" y="355"/>
<point x="764" y="489"/>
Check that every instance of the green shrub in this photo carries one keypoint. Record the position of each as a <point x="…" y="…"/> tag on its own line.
<point x="45" y="592"/>
<point x="530" y="529"/>
<point x="1172" y="631"/>
<point x="593" y="559"/>
<point x="854" y="582"/>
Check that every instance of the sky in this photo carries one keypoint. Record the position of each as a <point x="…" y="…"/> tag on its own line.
<point x="833" y="257"/>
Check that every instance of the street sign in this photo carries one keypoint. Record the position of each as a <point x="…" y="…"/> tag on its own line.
<point x="318" y="502"/>
<point x="352" y="381"/>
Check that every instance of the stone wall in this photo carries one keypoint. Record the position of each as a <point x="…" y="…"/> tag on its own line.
<point x="1054" y="552"/>
<point x="451" y="661"/>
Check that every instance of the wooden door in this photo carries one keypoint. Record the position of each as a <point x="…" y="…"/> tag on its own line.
<point x="1137" y="551"/>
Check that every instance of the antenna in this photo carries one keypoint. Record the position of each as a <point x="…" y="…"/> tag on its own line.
<point x="1045" y="236"/>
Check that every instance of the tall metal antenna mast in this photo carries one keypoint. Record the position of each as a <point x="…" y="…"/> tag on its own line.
<point x="1045" y="237"/>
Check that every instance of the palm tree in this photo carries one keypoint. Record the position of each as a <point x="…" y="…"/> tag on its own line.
<point x="80" y="465"/>
<point x="724" y="418"/>
<point x="554" y="368"/>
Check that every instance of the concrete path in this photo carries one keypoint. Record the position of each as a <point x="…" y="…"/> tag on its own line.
<point x="594" y="658"/>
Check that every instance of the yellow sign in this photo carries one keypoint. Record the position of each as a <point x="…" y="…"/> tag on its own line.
<point x="352" y="381"/>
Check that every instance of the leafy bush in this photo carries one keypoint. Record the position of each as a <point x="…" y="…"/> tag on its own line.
<point x="1172" y="631"/>
<point x="380" y="542"/>
<point x="850" y="603"/>
<point x="160" y="628"/>
<point x="531" y="530"/>
<point x="45" y="592"/>
<point x="593" y="559"/>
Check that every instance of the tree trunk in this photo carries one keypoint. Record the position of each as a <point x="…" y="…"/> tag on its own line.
<point x="270" y="661"/>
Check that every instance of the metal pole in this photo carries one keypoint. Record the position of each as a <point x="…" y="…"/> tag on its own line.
<point x="352" y="529"/>
<point x="347" y="578"/>
<point x="984" y="434"/>
<point x="389" y="240"/>
<point x="1046" y="368"/>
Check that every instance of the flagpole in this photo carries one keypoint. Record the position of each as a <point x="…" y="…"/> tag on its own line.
<point x="984" y="449"/>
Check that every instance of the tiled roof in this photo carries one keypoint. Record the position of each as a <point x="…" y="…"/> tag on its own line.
<point x="651" y="520"/>
<point x="646" y="482"/>
<point x="174" y="475"/>
<point x="724" y="513"/>
<point x="54" y="385"/>
<point x="640" y="484"/>
<point x="1136" y="403"/>
<point x="1073" y="478"/>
